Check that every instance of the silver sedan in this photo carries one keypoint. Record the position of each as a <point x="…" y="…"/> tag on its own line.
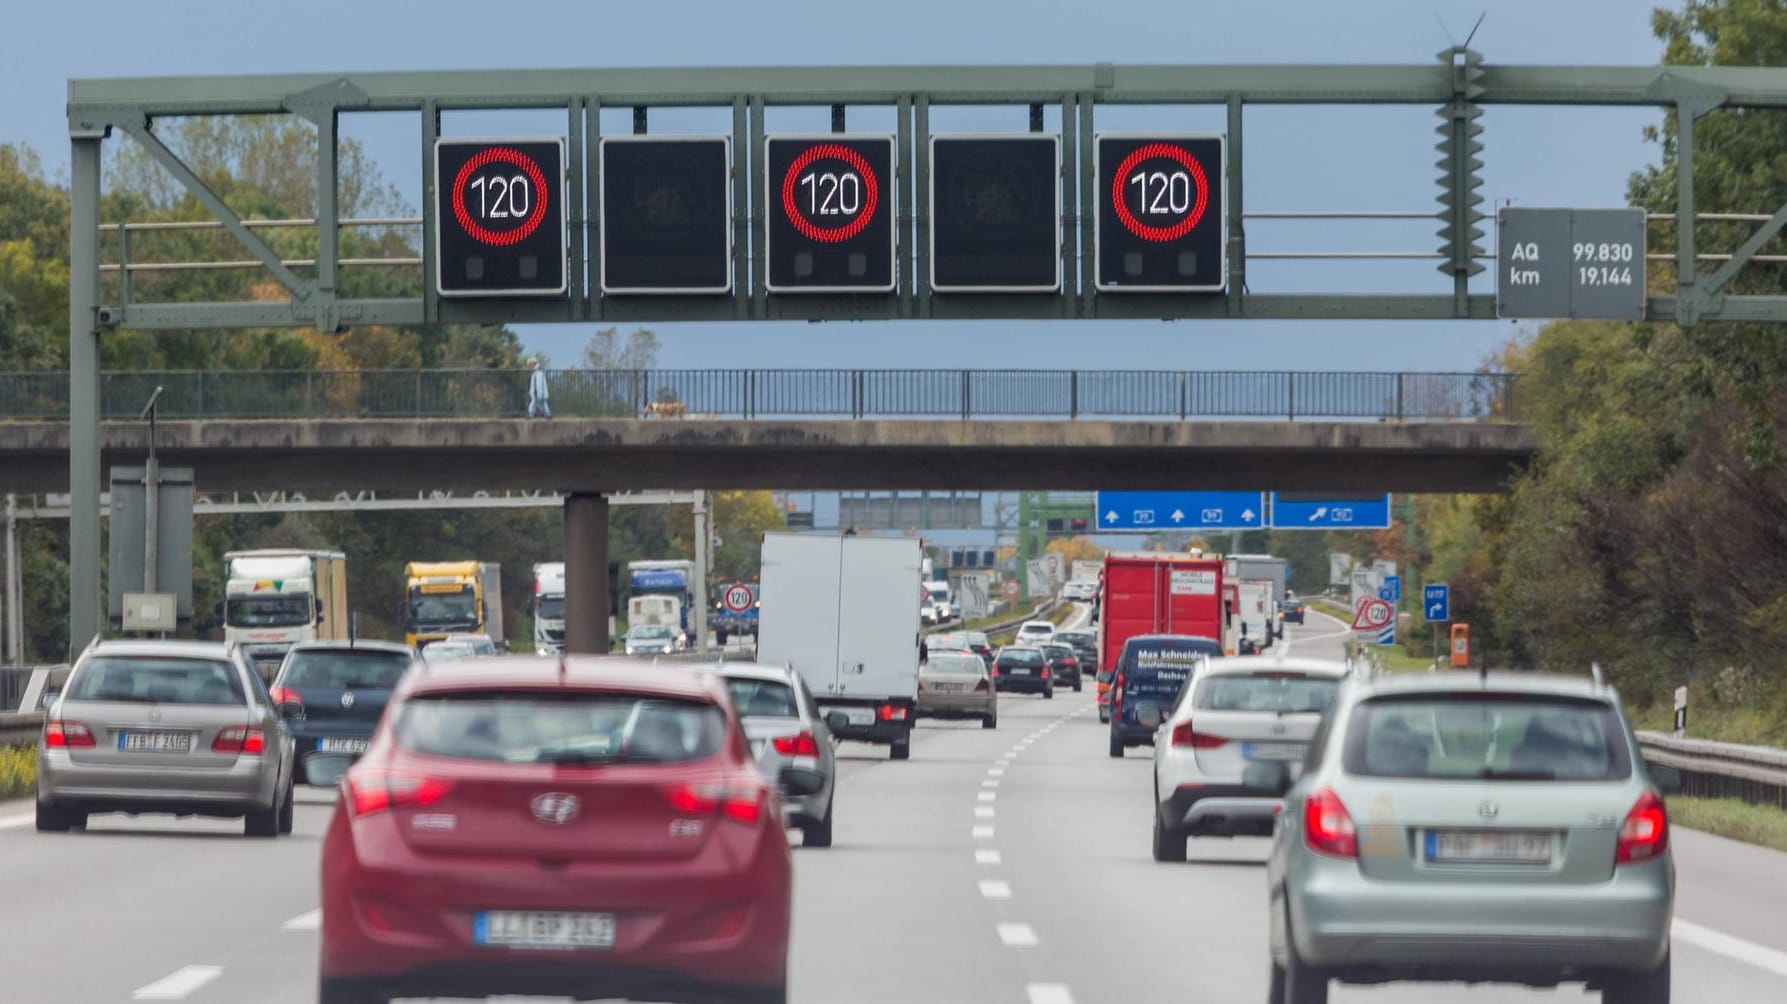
<point x="790" y="741"/>
<point x="185" y="728"/>
<point x="957" y="685"/>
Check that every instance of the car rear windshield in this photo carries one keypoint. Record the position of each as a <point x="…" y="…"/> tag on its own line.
<point x="577" y="729"/>
<point x="1028" y="657"/>
<point x="1058" y="651"/>
<point x="158" y="680"/>
<point x="1291" y="693"/>
<point x="1074" y="637"/>
<point x="367" y="669"/>
<point x="1512" y="737"/>
<point x="948" y="663"/>
<point x="762" y="698"/>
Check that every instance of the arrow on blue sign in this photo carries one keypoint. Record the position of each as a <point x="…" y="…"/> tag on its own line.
<point x="1301" y="511"/>
<point x="1436" y="603"/>
<point x="1181" y="510"/>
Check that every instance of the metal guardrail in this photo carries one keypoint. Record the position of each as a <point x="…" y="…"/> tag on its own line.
<point x="1755" y="774"/>
<point x="784" y="394"/>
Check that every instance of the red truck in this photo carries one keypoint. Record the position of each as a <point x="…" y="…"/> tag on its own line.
<point x="1148" y="594"/>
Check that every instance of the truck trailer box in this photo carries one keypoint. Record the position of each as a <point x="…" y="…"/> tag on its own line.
<point x="844" y="613"/>
<point x="1148" y="594"/>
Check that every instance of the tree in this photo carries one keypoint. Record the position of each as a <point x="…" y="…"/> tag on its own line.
<point x="607" y="350"/>
<point x="1074" y="549"/>
<point x="740" y="520"/>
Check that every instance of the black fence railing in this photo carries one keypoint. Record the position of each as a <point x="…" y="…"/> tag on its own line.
<point x="783" y="393"/>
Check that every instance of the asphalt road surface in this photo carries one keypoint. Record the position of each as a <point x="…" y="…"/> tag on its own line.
<point x="994" y="866"/>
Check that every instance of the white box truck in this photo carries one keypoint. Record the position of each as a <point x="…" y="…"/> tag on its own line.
<point x="844" y="613"/>
<point x="275" y="598"/>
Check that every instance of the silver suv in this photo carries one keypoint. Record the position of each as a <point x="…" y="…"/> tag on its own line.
<point x="178" y="727"/>
<point x="1464" y="827"/>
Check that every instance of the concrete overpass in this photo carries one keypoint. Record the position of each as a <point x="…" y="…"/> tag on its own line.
<point x="598" y="455"/>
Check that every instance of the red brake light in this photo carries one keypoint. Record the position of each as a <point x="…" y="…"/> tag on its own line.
<point x="893" y="713"/>
<point x="994" y="669"/>
<point x="1045" y="672"/>
<point x="797" y="745"/>
<point x="1184" y="736"/>
<point x="285" y="695"/>
<point x="376" y="790"/>
<point x="61" y="733"/>
<point x="1327" y="828"/>
<point x="245" y="739"/>
<point x="1645" y="833"/>
<point x="740" y="800"/>
<point x="981" y="687"/>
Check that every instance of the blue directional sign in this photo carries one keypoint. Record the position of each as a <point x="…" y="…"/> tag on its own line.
<point x="1436" y="603"/>
<point x="1150" y="511"/>
<point x="1393" y="587"/>
<point x="1329" y="511"/>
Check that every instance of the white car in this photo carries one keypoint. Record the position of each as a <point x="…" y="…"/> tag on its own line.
<point x="1034" y="633"/>
<point x="1231" y="713"/>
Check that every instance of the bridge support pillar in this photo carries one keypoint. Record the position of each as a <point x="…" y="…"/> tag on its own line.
<point x="586" y="573"/>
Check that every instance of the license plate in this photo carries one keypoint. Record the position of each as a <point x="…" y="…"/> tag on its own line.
<point x="1018" y="671"/>
<point x="947" y="688"/>
<point x="155" y="742"/>
<point x="534" y="929"/>
<point x="341" y="745"/>
<point x="1272" y="751"/>
<point x="1489" y="847"/>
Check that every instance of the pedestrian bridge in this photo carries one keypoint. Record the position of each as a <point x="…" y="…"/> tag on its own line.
<point x="790" y="429"/>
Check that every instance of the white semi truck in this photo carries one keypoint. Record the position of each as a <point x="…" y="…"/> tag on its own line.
<point x="548" y="607"/>
<point x="844" y="613"/>
<point x="275" y="598"/>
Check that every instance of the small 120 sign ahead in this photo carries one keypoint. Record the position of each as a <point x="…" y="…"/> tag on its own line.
<point x="500" y="217"/>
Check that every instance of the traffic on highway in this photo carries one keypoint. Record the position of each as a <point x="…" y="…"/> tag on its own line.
<point x="1290" y="825"/>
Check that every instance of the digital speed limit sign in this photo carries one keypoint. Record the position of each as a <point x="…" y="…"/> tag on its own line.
<point x="1162" y="223"/>
<point x="831" y="213"/>
<point x="500" y="217"/>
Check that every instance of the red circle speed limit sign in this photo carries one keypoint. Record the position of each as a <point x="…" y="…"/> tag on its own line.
<point x="738" y="598"/>
<point x="1372" y="614"/>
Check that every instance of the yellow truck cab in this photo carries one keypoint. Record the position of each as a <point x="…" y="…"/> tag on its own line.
<point x="451" y="597"/>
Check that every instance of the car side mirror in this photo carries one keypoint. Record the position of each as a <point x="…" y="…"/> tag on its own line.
<point x="1667" y="779"/>
<point x="324" y="770"/>
<point x="1267" y="777"/>
<point x="837" y="721"/>
<point x="291" y="711"/>
<point x="1149" y="716"/>
<point x="796" y="781"/>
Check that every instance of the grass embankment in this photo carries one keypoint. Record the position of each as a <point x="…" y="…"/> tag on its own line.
<point x="1764" y="825"/>
<point x="18" y="771"/>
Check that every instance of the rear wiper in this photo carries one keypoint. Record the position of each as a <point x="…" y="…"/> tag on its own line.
<point x="1492" y="774"/>
<point x="576" y="758"/>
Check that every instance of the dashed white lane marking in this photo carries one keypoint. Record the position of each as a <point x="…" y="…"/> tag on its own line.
<point x="1017" y="935"/>
<point x="1731" y="947"/>
<point x="178" y="984"/>
<point x="987" y="856"/>
<point x="1048" y="993"/>
<point x="983" y="833"/>
<point x="984" y="812"/>
<point x="993" y="889"/>
<point x="988" y="796"/>
<point x="995" y="771"/>
<point x="991" y="782"/>
<point x="13" y="822"/>
<point x="305" y="921"/>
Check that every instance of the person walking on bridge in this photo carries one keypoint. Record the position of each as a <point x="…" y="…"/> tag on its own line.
<point x="537" y="406"/>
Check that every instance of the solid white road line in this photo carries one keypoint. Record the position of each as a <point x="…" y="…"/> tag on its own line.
<point x="14" y="822"/>
<point x="1017" y="935"/>
<point x="993" y="889"/>
<point x="1724" y="944"/>
<point x="987" y="856"/>
<point x="983" y="833"/>
<point x="1048" y="993"/>
<point x="305" y="921"/>
<point x="178" y="984"/>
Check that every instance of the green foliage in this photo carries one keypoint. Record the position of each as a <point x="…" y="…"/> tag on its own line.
<point x="18" y="771"/>
<point x="1731" y="818"/>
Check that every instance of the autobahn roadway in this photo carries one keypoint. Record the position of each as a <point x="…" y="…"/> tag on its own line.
<point x="994" y="866"/>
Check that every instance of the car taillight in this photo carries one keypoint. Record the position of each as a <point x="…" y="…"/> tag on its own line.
<point x="1327" y="828"/>
<point x="239" y="739"/>
<point x="376" y="790"/>
<point x="61" y="733"/>
<point x="1045" y="672"/>
<point x="796" y="745"/>
<point x="1645" y="833"/>
<point x="285" y="695"/>
<point x="740" y="800"/>
<point x="981" y="687"/>
<point x="893" y="713"/>
<point x="1184" y="736"/>
<point x="994" y="670"/>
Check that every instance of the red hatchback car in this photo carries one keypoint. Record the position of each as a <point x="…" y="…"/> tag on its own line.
<point x="586" y="827"/>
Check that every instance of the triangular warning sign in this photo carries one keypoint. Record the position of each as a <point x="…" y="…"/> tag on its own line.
<point x="1372" y="615"/>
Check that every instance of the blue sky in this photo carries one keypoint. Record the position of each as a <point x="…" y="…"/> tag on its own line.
<point x="1310" y="158"/>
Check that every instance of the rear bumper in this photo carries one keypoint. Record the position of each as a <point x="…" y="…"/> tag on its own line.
<point x="1024" y="684"/>
<point x="251" y="782"/>
<point x="1131" y="735"/>
<point x="306" y="742"/>
<point x="1219" y="811"/>
<point x="1369" y="930"/>
<point x="682" y="928"/>
<point x="956" y="705"/>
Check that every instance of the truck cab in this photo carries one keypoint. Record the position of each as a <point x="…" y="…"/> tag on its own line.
<point x="548" y="607"/>
<point x="451" y="597"/>
<point x="277" y="598"/>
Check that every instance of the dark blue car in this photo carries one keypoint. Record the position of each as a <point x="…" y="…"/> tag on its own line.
<point x="1151" y="670"/>
<point x="331" y="694"/>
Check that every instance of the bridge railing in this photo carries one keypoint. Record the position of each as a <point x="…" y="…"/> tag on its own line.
<point x="784" y="393"/>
